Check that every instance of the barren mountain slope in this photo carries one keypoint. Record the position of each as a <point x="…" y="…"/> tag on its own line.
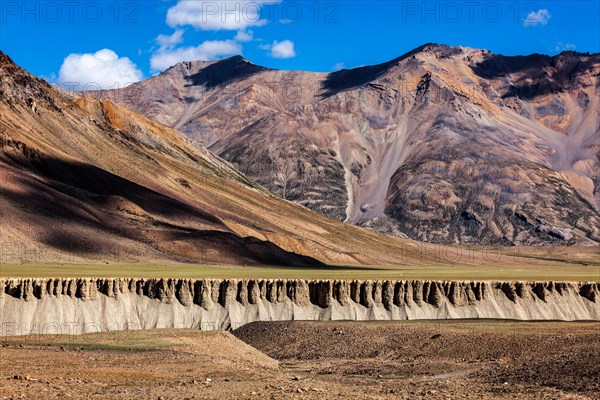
<point x="443" y="144"/>
<point x="87" y="180"/>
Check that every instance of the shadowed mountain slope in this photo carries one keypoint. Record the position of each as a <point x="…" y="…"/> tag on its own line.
<point x="88" y="180"/>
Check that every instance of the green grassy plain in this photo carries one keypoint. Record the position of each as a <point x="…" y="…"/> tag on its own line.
<point x="531" y="271"/>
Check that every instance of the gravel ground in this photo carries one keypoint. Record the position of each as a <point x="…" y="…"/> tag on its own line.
<point x="312" y="360"/>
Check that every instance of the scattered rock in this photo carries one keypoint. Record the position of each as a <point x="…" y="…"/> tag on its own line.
<point x="562" y="233"/>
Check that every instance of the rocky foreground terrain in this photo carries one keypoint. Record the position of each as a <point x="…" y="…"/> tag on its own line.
<point x="306" y="360"/>
<point x="443" y="144"/>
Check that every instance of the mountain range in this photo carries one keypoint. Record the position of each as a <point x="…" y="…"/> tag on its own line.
<point x="86" y="180"/>
<point x="442" y="144"/>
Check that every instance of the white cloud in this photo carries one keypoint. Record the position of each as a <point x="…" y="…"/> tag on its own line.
<point x="104" y="69"/>
<point x="207" y="51"/>
<point x="170" y="41"/>
<point x="217" y="15"/>
<point x="283" y="49"/>
<point x="560" y="47"/>
<point x="338" y="66"/>
<point x="244" y="36"/>
<point x="539" y="17"/>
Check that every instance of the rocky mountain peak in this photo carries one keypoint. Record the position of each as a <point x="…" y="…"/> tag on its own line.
<point x="18" y="87"/>
<point x="5" y="60"/>
<point x="215" y="73"/>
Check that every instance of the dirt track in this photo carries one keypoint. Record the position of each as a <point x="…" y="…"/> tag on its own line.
<point x="400" y="360"/>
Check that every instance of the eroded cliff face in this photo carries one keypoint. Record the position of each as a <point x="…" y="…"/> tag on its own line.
<point x="74" y="306"/>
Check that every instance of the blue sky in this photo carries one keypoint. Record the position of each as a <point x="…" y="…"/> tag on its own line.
<point x="123" y="41"/>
